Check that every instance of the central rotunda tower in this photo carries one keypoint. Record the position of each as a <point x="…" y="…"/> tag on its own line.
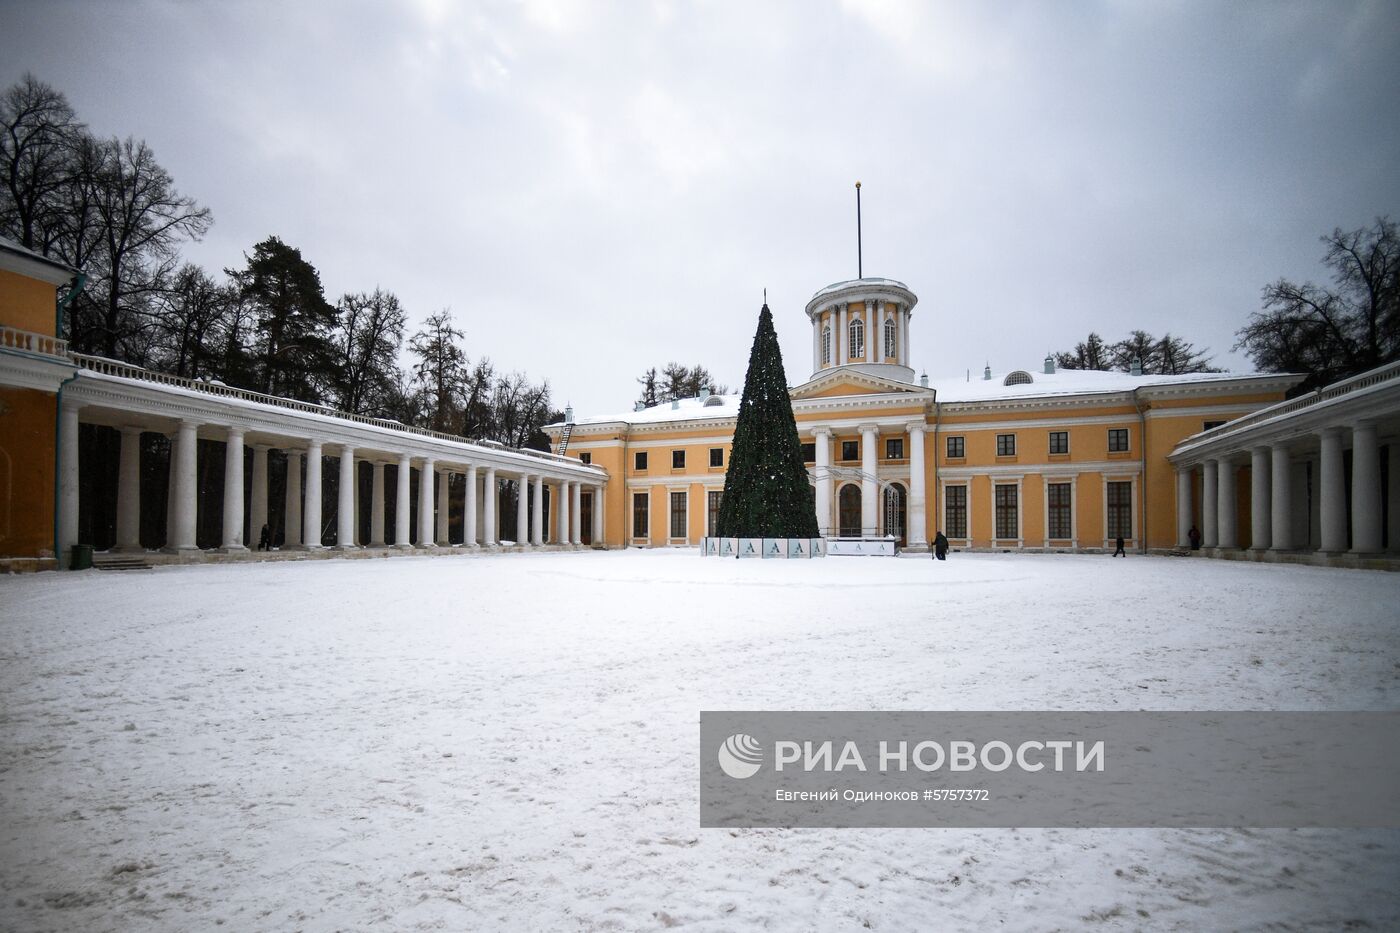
<point x="863" y="324"/>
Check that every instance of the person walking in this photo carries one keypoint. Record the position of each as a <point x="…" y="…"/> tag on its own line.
<point x="940" y="547"/>
<point x="264" y="538"/>
<point x="1118" y="548"/>
<point x="1194" y="536"/>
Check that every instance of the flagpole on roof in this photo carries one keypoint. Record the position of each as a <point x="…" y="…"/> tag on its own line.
<point x="860" y="272"/>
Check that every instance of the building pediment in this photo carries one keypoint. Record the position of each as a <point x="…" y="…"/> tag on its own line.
<point x="842" y="382"/>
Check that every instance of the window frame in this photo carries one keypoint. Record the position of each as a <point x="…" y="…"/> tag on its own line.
<point x="639" y="461"/>
<point x="1006" y="511"/>
<point x="891" y="332"/>
<point x="586" y="457"/>
<point x="955" y="516"/>
<point x="961" y="449"/>
<point x="855" y="332"/>
<point x="1117" y="436"/>
<point x="641" y="510"/>
<point x="1006" y="445"/>
<point x="683" y="514"/>
<point x="678" y="459"/>
<point x="890" y="452"/>
<point x="713" y="458"/>
<point x="1059" y="436"/>
<point x="1118" y="516"/>
<point x="806" y="446"/>
<point x="826" y="345"/>
<point x="714" y="498"/>
<point x="1059" y="516"/>
<point x="851" y="445"/>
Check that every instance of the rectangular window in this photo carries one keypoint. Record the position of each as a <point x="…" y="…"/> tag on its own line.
<point x="1006" y="512"/>
<point x="678" y="459"/>
<point x="955" y="511"/>
<point x="641" y="518"/>
<point x="1117" y="440"/>
<point x="850" y="450"/>
<point x="1057" y="497"/>
<point x="678" y="514"/>
<point x="1211" y="424"/>
<point x="956" y="448"/>
<point x="809" y="452"/>
<point x="1120" y="510"/>
<point x="1059" y="442"/>
<point x="712" y="499"/>
<point x="1006" y="445"/>
<point x="894" y="448"/>
<point x="716" y="456"/>
<point x="639" y="463"/>
<point x="585" y="458"/>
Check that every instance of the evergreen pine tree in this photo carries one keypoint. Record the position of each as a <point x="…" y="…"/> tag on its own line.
<point x="766" y="492"/>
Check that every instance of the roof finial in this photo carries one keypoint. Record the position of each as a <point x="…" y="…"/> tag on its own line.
<point x="765" y="296"/>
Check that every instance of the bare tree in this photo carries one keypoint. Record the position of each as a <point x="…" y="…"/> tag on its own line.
<point x="40" y="131"/>
<point x="367" y="341"/>
<point x="1332" y="333"/>
<point x="441" y="370"/>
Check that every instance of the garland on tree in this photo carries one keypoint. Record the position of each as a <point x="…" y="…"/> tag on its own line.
<point x="766" y="491"/>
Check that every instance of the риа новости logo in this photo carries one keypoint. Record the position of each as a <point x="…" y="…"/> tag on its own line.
<point x="740" y="756"/>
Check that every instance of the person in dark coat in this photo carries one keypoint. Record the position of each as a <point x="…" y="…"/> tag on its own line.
<point x="940" y="547"/>
<point x="1194" y="536"/>
<point x="1118" y="548"/>
<point x="264" y="538"/>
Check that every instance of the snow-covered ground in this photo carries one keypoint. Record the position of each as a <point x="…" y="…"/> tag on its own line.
<point x="510" y="742"/>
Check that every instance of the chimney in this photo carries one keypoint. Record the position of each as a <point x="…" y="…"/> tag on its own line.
<point x="1136" y="366"/>
<point x="923" y="380"/>
<point x="675" y="403"/>
<point x="704" y="394"/>
<point x="1049" y="365"/>
<point x="639" y="406"/>
<point x="987" y="372"/>
<point x="568" y="414"/>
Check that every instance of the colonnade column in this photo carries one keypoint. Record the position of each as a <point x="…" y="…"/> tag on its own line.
<point x="1225" y="507"/>
<point x="1281" y="521"/>
<point x="598" y="517"/>
<point x="522" y="511"/>
<point x="561" y="503"/>
<point x="257" y="507"/>
<point x="345" y="508"/>
<point x="537" y="514"/>
<point x="823" y="467"/>
<point x="171" y="473"/>
<point x="427" y="477"/>
<point x="129" y="491"/>
<point x="233" y="492"/>
<point x="291" y="533"/>
<point x="1333" y="504"/>
<point x="1210" y="500"/>
<point x="1365" y="489"/>
<point x="488" y="511"/>
<point x="182" y="538"/>
<point x="869" y="485"/>
<point x="1183" y="507"/>
<point x="576" y="513"/>
<point x="311" y="512"/>
<point x="1260" y="508"/>
<point x="843" y="351"/>
<point x="916" y="534"/>
<point x="1394" y="481"/>
<point x="376" y="505"/>
<point x="469" y="510"/>
<point x="444" y="511"/>
<point x="67" y="484"/>
<point x="402" y="514"/>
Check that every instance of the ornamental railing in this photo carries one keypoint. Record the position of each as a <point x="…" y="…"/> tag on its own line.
<point x="108" y="367"/>
<point x="1373" y="377"/>
<point x="12" y="338"/>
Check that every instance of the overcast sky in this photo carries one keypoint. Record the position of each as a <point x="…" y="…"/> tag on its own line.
<point x="596" y="188"/>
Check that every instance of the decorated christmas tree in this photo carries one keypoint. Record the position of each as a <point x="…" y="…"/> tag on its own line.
<point x="766" y="492"/>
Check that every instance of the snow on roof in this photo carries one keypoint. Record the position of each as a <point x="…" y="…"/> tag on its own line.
<point x="1063" y="382"/>
<point x="867" y="281"/>
<point x="1060" y="382"/>
<point x="686" y="409"/>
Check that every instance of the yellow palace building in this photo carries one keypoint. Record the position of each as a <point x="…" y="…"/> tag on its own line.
<point x="1033" y="459"/>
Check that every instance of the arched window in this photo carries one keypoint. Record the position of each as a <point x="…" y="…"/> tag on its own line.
<point x="1019" y="378"/>
<point x="889" y="337"/>
<point x="826" y="345"/>
<point x="857" y="337"/>
<point x="848" y="511"/>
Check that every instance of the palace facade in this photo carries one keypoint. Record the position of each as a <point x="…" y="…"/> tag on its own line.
<point x="1030" y="459"/>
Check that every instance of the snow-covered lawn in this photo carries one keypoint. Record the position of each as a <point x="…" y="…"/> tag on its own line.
<point x="510" y="742"/>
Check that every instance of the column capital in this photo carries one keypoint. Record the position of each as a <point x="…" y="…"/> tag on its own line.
<point x="132" y="429"/>
<point x="236" y="430"/>
<point x="1332" y="431"/>
<point x="184" y="422"/>
<point x="1363" y="424"/>
<point x="821" y="430"/>
<point x="869" y="429"/>
<point x="262" y="446"/>
<point x="1259" y="449"/>
<point x="347" y="450"/>
<point x="916" y="427"/>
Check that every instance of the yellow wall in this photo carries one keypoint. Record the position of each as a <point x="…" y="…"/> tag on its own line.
<point x="27" y="443"/>
<point x="26" y="304"/>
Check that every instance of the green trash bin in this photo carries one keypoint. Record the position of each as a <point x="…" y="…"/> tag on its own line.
<point x="82" y="557"/>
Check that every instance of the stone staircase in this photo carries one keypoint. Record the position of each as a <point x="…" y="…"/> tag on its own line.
<point x="119" y="562"/>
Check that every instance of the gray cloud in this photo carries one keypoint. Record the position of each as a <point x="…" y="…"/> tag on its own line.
<point x="595" y="188"/>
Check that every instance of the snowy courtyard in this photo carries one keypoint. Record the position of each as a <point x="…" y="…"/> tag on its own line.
<point x="510" y="742"/>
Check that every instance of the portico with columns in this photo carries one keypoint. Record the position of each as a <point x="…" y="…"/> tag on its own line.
<point x="1314" y="479"/>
